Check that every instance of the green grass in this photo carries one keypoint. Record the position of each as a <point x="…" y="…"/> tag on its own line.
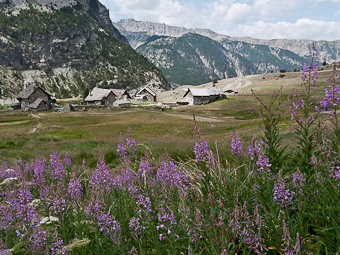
<point x="83" y="134"/>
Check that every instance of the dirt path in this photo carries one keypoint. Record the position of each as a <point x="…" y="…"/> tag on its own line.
<point x="198" y="118"/>
<point x="14" y="123"/>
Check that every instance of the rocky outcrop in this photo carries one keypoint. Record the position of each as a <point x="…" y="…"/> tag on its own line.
<point x="328" y="51"/>
<point x="151" y="28"/>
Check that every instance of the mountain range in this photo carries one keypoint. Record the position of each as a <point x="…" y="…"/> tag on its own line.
<point x="195" y="56"/>
<point x="67" y="46"/>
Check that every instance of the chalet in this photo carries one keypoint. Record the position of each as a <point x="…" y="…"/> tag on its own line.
<point x="196" y="96"/>
<point x="147" y="93"/>
<point x="100" y="96"/>
<point x="34" y="98"/>
<point x="121" y="94"/>
<point x="123" y="98"/>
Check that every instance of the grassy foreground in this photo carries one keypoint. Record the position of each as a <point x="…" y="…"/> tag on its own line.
<point x="274" y="194"/>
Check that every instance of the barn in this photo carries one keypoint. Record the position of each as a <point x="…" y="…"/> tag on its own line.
<point x="100" y="96"/>
<point x="34" y="98"/>
<point x="195" y="96"/>
<point x="147" y="93"/>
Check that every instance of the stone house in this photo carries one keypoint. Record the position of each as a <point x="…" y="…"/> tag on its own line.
<point x="34" y="98"/>
<point x="195" y="96"/>
<point x="147" y="93"/>
<point x="121" y="94"/>
<point x="123" y="99"/>
<point x="100" y="96"/>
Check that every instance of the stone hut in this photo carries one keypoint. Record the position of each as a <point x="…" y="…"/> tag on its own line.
<point x="195" y="96"/>
<point x="148" y="93"/>
<point x="100" y="96"/>
<point x="123" y="99"/>
<point x="34" y="98"/>
<point x="121" y="94"/>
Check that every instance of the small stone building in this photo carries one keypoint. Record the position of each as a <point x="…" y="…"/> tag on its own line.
<point x="121" y="94"/>
<point x="34" y="98"/>
<point x="100" y="96"/>
<point x="195" y="96"/>
<point x="148" y="93"/>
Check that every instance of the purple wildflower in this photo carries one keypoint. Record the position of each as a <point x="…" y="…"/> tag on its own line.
<point x="39" y="171"/>
<point x="169" y="174"/>
<point x="299" y="180"/>
<point x="202" y="152"/>
<point x="331" y="100"/>
<point x="60" y="207"/>
<point x="255" y="150"/>
<point x="144" y="168"/>
<point x="144" y="205"/>
<point x="133" y="251"/>
<point x="58" y="247"/>
<point x="135" y="227"/>
<point x="283" y="196"/>
<point x="101" y="178"/>
<point x="74" y="189"/>
<point x="108" y="225"/>
<point x="263" y="165"/>
<point x="126" y="147"/>
<point x="58" y="171"/>
<point x="67" y="160"/>
<point x="167" y="222"/>
<point x="236" y="146"/>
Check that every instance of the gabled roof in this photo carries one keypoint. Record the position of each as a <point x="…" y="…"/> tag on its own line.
<point x="120" y="92"/>
<point x="203" y="92"/>
<point x="151" y="92"/>
<point x="36" y="103"/>
<point x="27" y="92"/>
<point x="97" y="94"/>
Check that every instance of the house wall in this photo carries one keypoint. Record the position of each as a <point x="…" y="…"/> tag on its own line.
<point x="189" y="98"/>
<point x="24" y="104"/>
<point x="110" y="99"/>
<point x="204" y="100"/>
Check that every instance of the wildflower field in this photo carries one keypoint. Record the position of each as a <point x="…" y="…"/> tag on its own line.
<point x="264" y="198"/>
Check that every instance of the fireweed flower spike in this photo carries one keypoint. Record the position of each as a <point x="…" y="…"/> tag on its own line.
<point x="330" y="104"/>
<point x="236" y="146"/>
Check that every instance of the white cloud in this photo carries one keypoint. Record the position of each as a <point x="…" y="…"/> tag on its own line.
<point x="274" y="8"/>
<point x="235" y="13"/>
<point x="301" y="29"/>
<point x="256" y="18"/>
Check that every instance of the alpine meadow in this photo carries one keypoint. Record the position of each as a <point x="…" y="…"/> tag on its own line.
<point x="137" y="137"/>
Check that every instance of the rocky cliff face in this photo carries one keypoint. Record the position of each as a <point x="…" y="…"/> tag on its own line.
<point x="67" y="46"/>
<point x="195" y="58"/>
<point x="151" y="28"/>
<point x="329" y="51"/>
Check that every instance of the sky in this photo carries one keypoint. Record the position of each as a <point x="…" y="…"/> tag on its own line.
<point x="264" y="19"/>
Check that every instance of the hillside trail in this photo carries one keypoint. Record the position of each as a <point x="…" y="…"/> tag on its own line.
<point x="198" y="118"/>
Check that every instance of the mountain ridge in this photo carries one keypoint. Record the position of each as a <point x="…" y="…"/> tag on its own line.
<point x="188" y="57"/>
<point x="301" y="47"/>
